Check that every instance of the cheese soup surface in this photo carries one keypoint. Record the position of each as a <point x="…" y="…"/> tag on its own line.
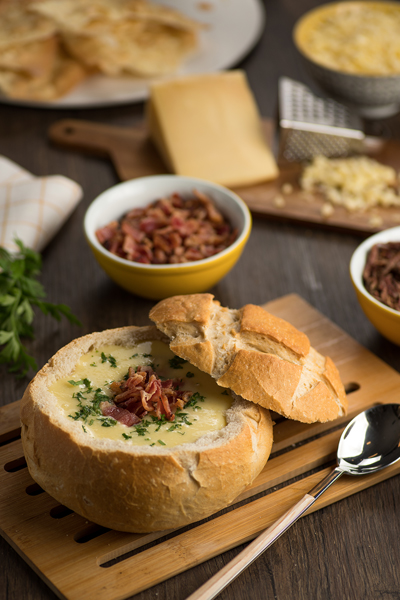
<point x="90" y="386"/>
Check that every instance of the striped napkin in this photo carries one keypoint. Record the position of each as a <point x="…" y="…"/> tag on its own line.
<point x="33" y="209"/>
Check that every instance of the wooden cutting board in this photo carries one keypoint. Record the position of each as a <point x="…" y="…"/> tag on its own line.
<point x="133" y="155"/>
<point x="81" y="561"/>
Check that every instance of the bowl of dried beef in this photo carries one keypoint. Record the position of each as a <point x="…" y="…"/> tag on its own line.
<point x="375" y="274"/>
<point x="166" y="235"/>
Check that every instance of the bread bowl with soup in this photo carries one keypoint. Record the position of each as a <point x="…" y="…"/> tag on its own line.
<point x="142" y="429"/>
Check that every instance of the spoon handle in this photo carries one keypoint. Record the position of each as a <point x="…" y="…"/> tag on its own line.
<point x="227" y="574"/>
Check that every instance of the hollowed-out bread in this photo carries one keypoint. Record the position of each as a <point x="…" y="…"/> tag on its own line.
<point x="259" y="356"/>
<point x="136" y="488"/>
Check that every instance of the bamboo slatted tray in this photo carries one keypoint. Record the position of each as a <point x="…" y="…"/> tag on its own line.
<point x="133" y="155"/>
<point x="78" y="559"/>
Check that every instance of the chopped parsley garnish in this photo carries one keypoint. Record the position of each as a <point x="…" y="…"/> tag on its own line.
<point x="225" y="393"/>
<point x="126" y="436"/>
<point x="86" y="382"/>
<point x="189" y="374"/>
<point x="161" y="442"/>
<point x="183" y="418"/>
<point x="194" y="399"/>
<point x="142" y="427"/>
<point x="109" y="358"/>
<point x="159" y="421"/>
<point x="88" y="407"/>
<point x="176" y="362"/>
<point x="108" y="422"/>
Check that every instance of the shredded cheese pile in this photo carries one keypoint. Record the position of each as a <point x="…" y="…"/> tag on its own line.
<point x="357" y="183"/>
<point x="361" y="38"/>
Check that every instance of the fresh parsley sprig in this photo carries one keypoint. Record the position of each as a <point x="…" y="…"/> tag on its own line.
<point x="20" y="291"/>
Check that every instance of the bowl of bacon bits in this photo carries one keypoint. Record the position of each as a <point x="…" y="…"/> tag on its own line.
<point x="375" y="273"/>
<point x="165" y="235"/>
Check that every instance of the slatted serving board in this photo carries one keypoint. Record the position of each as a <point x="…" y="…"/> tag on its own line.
<point x="80" y="560"/>
<point x="133" y="155"/>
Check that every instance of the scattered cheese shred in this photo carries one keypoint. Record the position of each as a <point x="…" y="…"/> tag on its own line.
<point x="357" y="183"/>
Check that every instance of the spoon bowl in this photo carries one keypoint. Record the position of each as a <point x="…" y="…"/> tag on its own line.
<point x="369" y="443"/>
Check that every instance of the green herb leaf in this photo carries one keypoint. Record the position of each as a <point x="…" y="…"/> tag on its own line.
<point x="110" y="359"/>
<point x="19" y="293"/>
<point x="176" y="362"/>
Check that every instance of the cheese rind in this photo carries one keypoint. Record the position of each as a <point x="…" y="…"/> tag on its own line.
<point x="208" y="126"/>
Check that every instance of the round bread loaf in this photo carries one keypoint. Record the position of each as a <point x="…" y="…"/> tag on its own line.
<point x="257" y="355"/>
<point x="131" y="487"/>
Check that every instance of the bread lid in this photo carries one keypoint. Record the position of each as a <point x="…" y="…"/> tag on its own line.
<point x="257" y="355"/>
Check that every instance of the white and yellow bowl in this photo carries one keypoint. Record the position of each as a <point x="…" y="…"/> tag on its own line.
<point x="160" y="281"/>
<point x="385" y="319"/>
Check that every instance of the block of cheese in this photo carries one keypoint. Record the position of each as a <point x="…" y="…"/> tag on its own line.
<point x="208" y="126"/>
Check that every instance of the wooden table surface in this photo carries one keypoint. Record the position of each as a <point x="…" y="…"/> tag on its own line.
<point x="347" y="550"/>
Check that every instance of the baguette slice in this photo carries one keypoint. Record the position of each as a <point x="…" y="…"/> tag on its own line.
<point x="258" y="356"/>
<point x="137" y="488"/>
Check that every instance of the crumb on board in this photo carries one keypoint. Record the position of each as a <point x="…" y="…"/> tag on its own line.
<point x="327" y="210"/>
<point x="287" y="188"/>
<point x="279" y="201"/>
<point x="375" y="221"/>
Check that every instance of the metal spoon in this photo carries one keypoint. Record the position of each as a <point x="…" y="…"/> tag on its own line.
<point x="370" y="442"/>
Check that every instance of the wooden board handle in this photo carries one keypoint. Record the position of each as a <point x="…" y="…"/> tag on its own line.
<point x="85" y="135"/>
<point x="129" y="149"/>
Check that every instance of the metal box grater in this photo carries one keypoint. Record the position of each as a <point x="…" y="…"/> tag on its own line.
<point x="310" y="125"/>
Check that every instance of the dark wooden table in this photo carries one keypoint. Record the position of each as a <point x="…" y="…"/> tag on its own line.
<point x="347" y="550"/>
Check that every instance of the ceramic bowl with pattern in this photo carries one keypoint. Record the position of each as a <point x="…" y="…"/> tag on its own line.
<point x="361" y="72"/>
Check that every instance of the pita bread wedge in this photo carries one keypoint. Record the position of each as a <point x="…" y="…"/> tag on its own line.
<point x="123" y="36"/>
<point x="64" y="76"/>
<point x="19" y="25"/>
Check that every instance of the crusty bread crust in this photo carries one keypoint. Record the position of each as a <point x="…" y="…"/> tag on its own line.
<point x="259" y="356"/>
<point x="137" y="488"/>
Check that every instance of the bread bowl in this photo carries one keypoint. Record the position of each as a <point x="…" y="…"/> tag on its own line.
<point x="257" y="355"/>
<point x="120" y="485"/>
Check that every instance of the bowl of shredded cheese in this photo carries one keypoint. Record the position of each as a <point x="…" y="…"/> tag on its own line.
<point x="352" y="49"/>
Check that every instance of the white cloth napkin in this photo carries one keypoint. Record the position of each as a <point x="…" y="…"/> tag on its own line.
<point x="33" y="209"/>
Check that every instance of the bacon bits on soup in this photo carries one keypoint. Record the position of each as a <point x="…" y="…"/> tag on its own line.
<point x="170" y="230"/>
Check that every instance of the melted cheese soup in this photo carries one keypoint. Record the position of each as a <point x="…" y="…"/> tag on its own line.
<point x="81" y="393"/>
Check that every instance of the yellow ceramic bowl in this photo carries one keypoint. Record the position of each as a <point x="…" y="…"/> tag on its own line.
<point x="385" y="319"/>
<point x="160" y="281"/>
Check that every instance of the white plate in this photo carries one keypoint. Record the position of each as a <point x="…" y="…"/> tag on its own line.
<point x="233" y="28"/>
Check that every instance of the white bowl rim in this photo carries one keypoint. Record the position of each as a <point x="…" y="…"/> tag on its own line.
<point x="357" y="263"/>
<point x="247" y="221"/>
